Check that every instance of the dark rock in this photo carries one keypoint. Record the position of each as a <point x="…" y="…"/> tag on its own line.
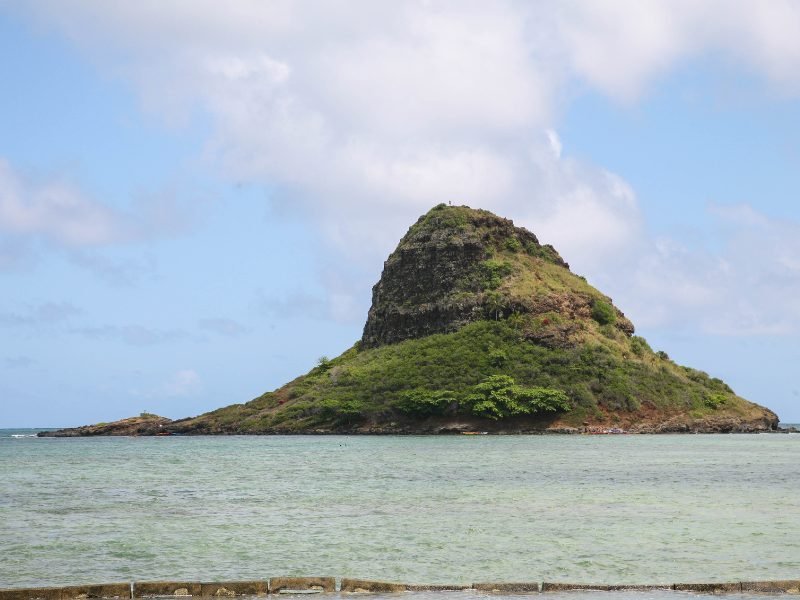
<point x="433" y="282"/>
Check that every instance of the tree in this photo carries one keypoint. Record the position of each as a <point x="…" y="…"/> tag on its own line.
<point x="498" y="397"/>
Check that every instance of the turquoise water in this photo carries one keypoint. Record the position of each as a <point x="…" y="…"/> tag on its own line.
<point x="455" y="509"/>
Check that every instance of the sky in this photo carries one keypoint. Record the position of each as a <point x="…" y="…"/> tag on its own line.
<point x="196" y="198"/>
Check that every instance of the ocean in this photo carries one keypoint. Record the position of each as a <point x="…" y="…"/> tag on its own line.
<point x="438" y="509"/>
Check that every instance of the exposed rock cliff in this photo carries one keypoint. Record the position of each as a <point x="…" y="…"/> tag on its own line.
<point x="457" y="265"/>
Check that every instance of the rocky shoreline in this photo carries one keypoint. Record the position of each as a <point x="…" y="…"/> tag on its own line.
<point x="153" y="425"/>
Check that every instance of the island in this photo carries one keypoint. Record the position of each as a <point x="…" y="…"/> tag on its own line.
<point x="477" y="327"/>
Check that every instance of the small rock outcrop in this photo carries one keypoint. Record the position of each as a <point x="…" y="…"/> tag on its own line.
<point x="144" y="424"/>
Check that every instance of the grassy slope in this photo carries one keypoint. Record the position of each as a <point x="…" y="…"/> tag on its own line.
<point x="611" y="379"/>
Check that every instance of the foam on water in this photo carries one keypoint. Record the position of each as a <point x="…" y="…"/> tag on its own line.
<point x="460" y="509"/>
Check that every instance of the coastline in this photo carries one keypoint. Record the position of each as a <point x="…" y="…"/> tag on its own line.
<point x="148" y="424"/>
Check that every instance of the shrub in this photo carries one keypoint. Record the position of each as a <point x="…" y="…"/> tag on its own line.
<point x="603" y="312"/>
<point x="493" y="272"/>
<point x="639" y="346"/>
<point x="513" y="244"/>
<point x="545" y="252"/>
<point x="539" y="399"/>
<point x="714" y="400"/>
<point x="426" y="402"/>
<point x="498" y="396"/>
<point x="497" y="357"/>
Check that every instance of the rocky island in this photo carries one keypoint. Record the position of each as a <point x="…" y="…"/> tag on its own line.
<point x="477" y="327"/>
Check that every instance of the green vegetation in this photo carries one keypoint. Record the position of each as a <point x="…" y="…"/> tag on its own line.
<point x="639" y="346"/>
<point x="486" y="369"/>
<point x="603" y="312"/>
<point x="426" y="402"/>
<point x="715" y="400"/>
<point x="496" y="397"/>
<point x="493" y="272"/>
<point x="499" y="397"/>
<point x="546" y="252"/>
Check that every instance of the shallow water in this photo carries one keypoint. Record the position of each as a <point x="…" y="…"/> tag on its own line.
<point x="455" y="509"/>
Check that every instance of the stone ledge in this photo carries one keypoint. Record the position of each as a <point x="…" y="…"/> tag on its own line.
<point x="356" y="586"/>
<point x="549" y="586"/>
<point x="709" y="588"/>
<point x="287" y="585"/>
<point x="508" y="588"/>
<point x="230" y="589"/>
<point x="101" y="590"/>
<point x="436" y="587"/>
<point x="40" y="593"/>
<point x="789" y="586"/>
<point x="150" y="589"/>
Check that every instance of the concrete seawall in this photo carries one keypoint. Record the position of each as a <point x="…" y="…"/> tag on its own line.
<point x="326" y="585"/>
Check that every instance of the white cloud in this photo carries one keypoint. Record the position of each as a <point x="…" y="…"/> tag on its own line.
<point x="57" y="212"/>
<point x="745" y="282"/>
<point x="185" y="382"/>
<point x="371" y="112"/>
<point x="367" y="113"/>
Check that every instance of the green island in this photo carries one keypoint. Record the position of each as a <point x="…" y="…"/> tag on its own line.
<point x="477" y="327"/>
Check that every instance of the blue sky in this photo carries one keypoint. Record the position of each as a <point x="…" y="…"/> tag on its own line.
<point x="195" y="203"/>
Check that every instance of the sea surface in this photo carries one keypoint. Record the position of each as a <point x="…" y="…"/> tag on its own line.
<point x="445" y="509"/>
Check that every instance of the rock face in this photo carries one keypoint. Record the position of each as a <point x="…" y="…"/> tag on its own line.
<point x="444" y="275"/>
<point x="477" y="327"/>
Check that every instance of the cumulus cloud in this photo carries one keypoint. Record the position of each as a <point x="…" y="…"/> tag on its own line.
<point x="744" y="281"/>
<point x="58" y="213"/>
<point x="55" y="210"/>
<point x="185" y="382"/>
<point x="620" y="46"/>
<point x="370" y="113"/>
<point x="38" y="215"/>
<point x="365" y="114"/>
